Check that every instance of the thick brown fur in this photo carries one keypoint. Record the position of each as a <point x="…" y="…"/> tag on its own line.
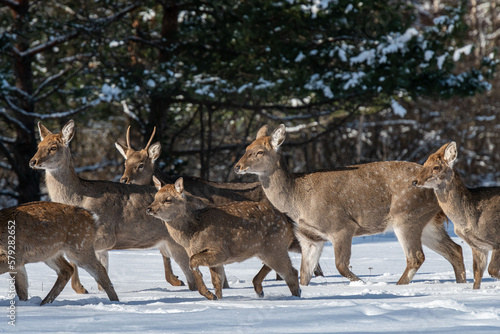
<point x="46" y="231"/>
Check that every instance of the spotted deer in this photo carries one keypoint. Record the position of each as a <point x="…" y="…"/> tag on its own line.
<point x="47" y="231"/>
<point x="120" y="207"/>
<point x="475" y="212"/>
<point x="140" y="167"/>
<point x="339" y="204"/>
<point x="215" y="236"/>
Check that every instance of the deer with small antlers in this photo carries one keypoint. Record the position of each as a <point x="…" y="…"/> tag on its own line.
<point x="140" y="167"/>
<point x="475" y="212"/>
<point x="46" y="231"/>
<point x="120" y="207"/>
<point x="358" y="200"/>
<point x="214" y="236"/>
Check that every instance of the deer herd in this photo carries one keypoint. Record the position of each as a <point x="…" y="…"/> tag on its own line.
<point x="201" y="223"/>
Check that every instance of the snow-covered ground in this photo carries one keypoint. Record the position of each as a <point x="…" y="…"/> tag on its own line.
<point x="432" y="303"/>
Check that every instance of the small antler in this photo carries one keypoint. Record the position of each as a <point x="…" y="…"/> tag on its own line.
<point x="128" y="137"/>
<point x="150" y="139"/>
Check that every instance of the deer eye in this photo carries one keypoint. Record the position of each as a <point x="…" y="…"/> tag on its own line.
<point x="436" y="168"/>
<point x="141" y="166"/>
<point x="53" y="148"/>
<point x="260" y="153"/>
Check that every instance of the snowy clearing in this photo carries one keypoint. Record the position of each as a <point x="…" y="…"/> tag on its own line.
<point x="432" y="303"/>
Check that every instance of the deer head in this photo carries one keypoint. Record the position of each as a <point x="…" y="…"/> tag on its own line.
<point x="438" y="169"/>
<point x="139" y="165"/>
<point x="170" y="202"/>
<point x="53" y="149"/>
<point x="262" y="154"/>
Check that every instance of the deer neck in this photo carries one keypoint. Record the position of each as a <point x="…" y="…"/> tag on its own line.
<point x="183" y="227"/>
<point x="278" y="185"/>
<point x="63" y="184"/>
<point x="455" y="200"/>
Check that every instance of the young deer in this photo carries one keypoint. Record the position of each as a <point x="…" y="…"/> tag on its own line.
<point x="140" y="167"/>
<point x="46" y="231"/>
<point x="351" y="201"/>
<point x="475" y="213"/>
<point x="120" y="207"/>
<point x="214" y="236"/>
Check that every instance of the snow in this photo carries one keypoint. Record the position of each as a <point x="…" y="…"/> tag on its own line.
<point x="463" y="50"/>
<point x="432" y="303"/>
<point x="397" y="108"/>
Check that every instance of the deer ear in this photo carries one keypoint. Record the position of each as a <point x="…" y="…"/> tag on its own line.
<point x="122" y="149"/>
<point x="154" y="151"/>
<point x="179" y="185"/>
<point x="68" y="131"/>
<point x="450" y="154"/>
<point x="263" y="132"/>
<point x="278" y="136"/>
<point x="157" y="183"/>
<point x="44" y="132"/>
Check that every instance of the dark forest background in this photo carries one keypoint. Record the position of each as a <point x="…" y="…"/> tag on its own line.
<point x="353" y="81"/>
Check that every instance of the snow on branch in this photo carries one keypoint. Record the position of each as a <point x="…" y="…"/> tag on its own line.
<point x="130" y="114"/>
<point x="52" y="115"/>
<point x="7" y="139"/>
<point x="10" y="3"/>
<point x="296" y="117"/>
<point x="49" y="80"/>
<point x="47" y="45"/>
<point x="3" y="112"/>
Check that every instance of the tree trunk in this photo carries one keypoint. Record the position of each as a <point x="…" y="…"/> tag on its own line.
<point x="25" y="146"/>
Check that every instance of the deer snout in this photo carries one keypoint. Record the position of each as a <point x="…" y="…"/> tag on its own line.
<point x="149" y="211"/>
<point x="125" y="179"/>
<point x="33" y="163"/>
<point x="415" y="183"/>
<point x="238" y="170"/>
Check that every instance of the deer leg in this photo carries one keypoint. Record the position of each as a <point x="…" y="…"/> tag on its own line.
<point x="494" y="268"/>
<point x="178" y="253"/>
<point x="217" y="274"/>
<point x="479" y="259"/>
<point x="342" y="243"/>
<point x="282" y="265"/>
<point x="311" y="252"/>
<point x="75" y="281"/>
<point x="88" y="261"/>
<point x="103" y="258"/>
<point x="169" y="274"/>
<point x="296" y="248"/>
<point x="435" y="237"/>
<point x="21" y="282"/>
<point x="64" y="271"/>
<point x="202" y="288"/>
<point x="257" y="280"/>
<point x="411" y="242"/>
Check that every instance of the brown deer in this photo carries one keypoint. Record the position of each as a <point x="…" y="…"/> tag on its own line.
<point x="475" y="212"/>
<point x="46" y="231"/>
<point x="358" y="200"/>
<point x="214" y="236"/>
<point x="140" y="167"/>
<point x="121" y="208"/>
